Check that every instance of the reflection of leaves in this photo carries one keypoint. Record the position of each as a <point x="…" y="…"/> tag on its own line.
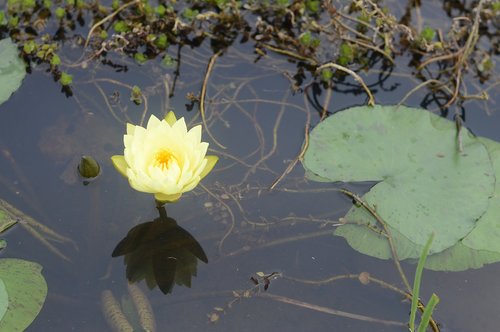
<point x="132" y="313"/>
<point x="161" y="252"/>
<point x="143" y="307"/>
<point x="113" y="313"/>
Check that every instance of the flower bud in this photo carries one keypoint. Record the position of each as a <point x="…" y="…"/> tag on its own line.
<point x="88" y="168"/>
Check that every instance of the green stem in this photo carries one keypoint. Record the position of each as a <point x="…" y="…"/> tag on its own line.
<point x="426" y="316"/>
<point x="417" y="282"/>
<point x="375" y="215"/>
<point x="161" y="208"/>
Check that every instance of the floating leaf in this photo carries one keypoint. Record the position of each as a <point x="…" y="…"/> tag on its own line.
<point x="4" y="299"/>
<point x="487" y="231"/>
<point x="12" y="69"/>
<point x="27" y="290"/>
<point x="428" y="34"/>
<point x="481" y="246"/>
<point x="425" y="184"/>
<point x="460" y="258"/>
<point x="370" y="242"/>
<point x="66" y="79"/>
<point x="6" y="221"/>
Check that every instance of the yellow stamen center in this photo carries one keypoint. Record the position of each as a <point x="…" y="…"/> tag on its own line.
<point x="164" y="158"/>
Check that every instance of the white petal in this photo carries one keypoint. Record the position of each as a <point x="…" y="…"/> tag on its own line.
<point x="191" y="185"/>
<point x="142" y="146"/>
<point x="194" y="134"/>
<point x="180" y="127"/>
<point x="153" y="122"/>
<point x="186" y="174"/>
<point x="130" y="128"/>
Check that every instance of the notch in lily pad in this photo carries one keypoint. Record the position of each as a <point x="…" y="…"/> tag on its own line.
<point x="89" y="169"/>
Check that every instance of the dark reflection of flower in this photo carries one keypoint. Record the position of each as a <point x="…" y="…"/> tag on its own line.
<point x="161" y="252"/>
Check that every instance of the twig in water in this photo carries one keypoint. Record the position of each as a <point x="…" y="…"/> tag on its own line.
<point x="229" y="210"/>
<point x="327" y="310"/>
<point x="107" y="18"/>
<point x="421" y="85"/>
<point x="371" y="99"/>
<point x="301" y="153"/>
<point x="365" y="205"/>
<point x="203" y="94"/>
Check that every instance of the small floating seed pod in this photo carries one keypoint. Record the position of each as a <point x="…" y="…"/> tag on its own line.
<point x="143" y="307"/>
<point x="89" y="169"/>
<point x="113" y="314"/>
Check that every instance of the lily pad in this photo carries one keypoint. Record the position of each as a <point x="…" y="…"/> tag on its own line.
<point x="12" y="69"/>
<point x="6" y="221"/>
<point x="27" y="290"/>
<point x="487" y="231"/>
<point x="4" y="299"/>
<point x="481" y="246"/>
<point x="460" y="258"/>
<point x="425" y="183"/>
<point x="371" y="241"/>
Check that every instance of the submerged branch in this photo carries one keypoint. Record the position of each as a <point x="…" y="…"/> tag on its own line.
<point x="229" y="210"/>
<point x="360" y="276"/>
<point x="368" y="208"/>
<point x="290" y="54"/>
<point x="107" y="18"/>
<point x="301" y="153"/>
<point x="203" y="95"/>
<point x="371" y="99"/>
<point x="328" y="310"/>
<point x="439" y="84"/>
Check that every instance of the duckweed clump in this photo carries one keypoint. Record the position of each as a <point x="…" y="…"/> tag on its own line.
<point x="312" y="32"/>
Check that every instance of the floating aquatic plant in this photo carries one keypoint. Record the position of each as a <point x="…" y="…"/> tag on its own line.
<point x="22" y="295"/>
<point x="430" y="178"/>
<point x="164" y="158"/>
<point x="11" y="69"/>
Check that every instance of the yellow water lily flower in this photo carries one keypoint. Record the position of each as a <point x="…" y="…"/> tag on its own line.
<point x="164" y="158"/>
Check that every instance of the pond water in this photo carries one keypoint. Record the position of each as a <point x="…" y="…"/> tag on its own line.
<point x="256" y="126"/>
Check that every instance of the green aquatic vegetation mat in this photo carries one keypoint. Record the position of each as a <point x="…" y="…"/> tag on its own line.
<point x="429" y="180"/>
<point x="26" y="290"/>
<point x="12" y="69"/>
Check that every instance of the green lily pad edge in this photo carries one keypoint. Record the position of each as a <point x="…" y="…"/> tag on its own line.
<point x="429" y="180"/>
<point x="23" y="293"/>
<point x="12" y="69"/>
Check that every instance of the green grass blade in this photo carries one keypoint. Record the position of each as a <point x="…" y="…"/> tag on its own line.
<point x="426" y="316"/>
<point x="417" y="281"/>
